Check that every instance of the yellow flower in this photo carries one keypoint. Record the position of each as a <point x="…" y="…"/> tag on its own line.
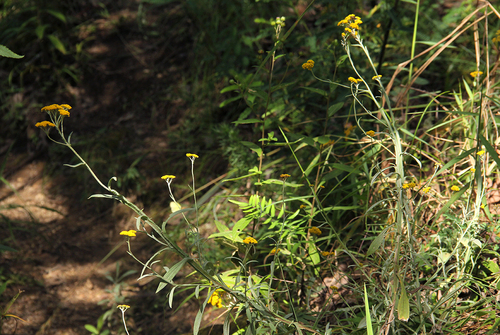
<point x="64" y="112"/>
<point x="123" y="308"/>
<point x="274" y="251"/>
<point x="348" y="129"/>
<point x="326" y="253"/>
<point x="377" y="77"/>
<point x="472" y="170"/>
<point x="475" y="74"/>
<point x="192" y="155"/>
<point x="354" y="80"/>
<point x="66" y="106"/>
<point x="168" y="176"/>
<point x="44" y="124"/>
<point x="215" y="299"/>
<point x="480" y="153"/>
<point x="409" y="185"/>
<point x="352" y="22"/>
<point x="129" y="233"/>
<point x="308" y="65"/>
<point x="482" y="206"/>
<point x="51" y="107"/>
<point x="284" y="175"/>
<point x="370" y="133"/>
<point x="315" y="231"/>
<point x="426" y="189"/>
<point x="303" y="206"/>
<point x="455" y="188"/>
<point x="250" y="240"/>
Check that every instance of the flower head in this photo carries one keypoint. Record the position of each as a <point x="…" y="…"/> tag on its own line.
<point x="475" y="74"/>
<point x="351" y="23"/>
<point x="370" y="133"/>
<point x="284" y="175"/>
<point x="129" y="233"/>
<point x="250" y="240"/>
<point x="192" y="156"/>
<point x="123" y="308"/>
<point x="215" y="298"/>
<point x="51" y="107"/>
<point x="426" y="189"/>
<point x="455" y="188"/>
<point x="472" y="170"/>
<point x="409" y="185"/>
<point x="354" y="80"/>
<point x="348" y="129"/>
<point x="377" y="77"/>
<point x="315" y="231"/>
<point x="308" y="65"/>
<point x="64" y="112"/>
<point x="44" y="124"/>
<point x="274" y="251"/>
<point x="327" y="253"/>
<point x="168" y="177"/>
<point x="480" y="153"/>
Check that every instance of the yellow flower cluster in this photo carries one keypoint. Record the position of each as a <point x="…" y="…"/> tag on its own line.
<point x="284" y="175"/>
<point x="351" y="23"/>
<point x="370" y="133"/>
<point x="348" y="130"/>
<point x="44" y="124"/>
<point x="215" y="299"/>
<point x="472" y="170"/>
<point x="480" y="153"/>
<point x="274" y="251"/>
<point x="250" y="240"/>
<point x="308" y="65"/>
<point x="377" y="77"/>
<point x="62" y="109"/>
<point x="192" y="155"/>
<point x="409" y="185"/>
<point x="129" y="233"/>
<point x="354" y="80"/>
<point x="475" y="74"/>
<point x="327" y="253"/>
<point x="426" y="189"/>
<point x="496" y="39"/>
<point x="168" y="176"/>
<point x="315" y="231"/>
<point x="455" y="188"/>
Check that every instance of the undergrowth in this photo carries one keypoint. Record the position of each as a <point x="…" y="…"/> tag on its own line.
<point x="359" y="204"/>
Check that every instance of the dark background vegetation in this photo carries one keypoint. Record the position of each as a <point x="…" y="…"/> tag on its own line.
<point x="144" y="79"/>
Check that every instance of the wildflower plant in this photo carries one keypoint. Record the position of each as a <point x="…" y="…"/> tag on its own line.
<point x="295" y="228"/>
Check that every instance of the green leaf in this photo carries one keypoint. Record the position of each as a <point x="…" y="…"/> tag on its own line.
<point x="334" y="108"/>
<point x="57" y="43"/>
<point x="174" y="270"/>
<point x="316" y="90"/>
<point x="252" y="146"/>
<point x="6" y="52"/>
<point x="403" y="305"/>
<point x="341" y="60"/>
<point x="456" y="160"/>
<point x="453" y="198"/>
<point x="57" y="14"/>
<point x="369" y="327"/>
<point x="228" y="101"/>
<point x="492" y="266"/>
<point x="229" y="88"/>
<point x="490" y="149"/>
<point x="377" y="242"/>
<point x="92" y="329"/>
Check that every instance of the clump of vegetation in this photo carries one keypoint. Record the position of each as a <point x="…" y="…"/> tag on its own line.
<point x="376" y="226"/>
